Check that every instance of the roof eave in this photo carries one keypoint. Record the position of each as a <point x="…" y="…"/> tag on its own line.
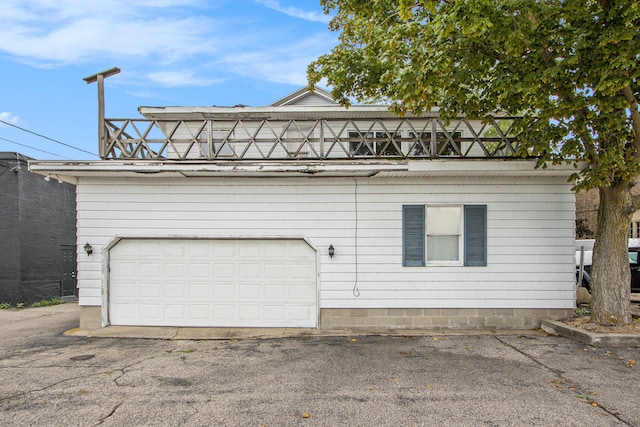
<point x="69" y="170"/>
<point x="300" y="112"/>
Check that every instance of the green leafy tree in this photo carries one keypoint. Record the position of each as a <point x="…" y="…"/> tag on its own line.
<point x="570" y="67"/>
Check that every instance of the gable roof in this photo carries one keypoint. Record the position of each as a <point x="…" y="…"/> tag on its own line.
<point x="305" y="97"/>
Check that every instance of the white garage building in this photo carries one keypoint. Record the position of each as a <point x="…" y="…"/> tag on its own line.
<point x="304" y="214"/>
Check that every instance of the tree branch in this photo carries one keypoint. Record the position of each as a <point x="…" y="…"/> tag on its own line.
<point x="567" y="97"/>
<point x="604" y="4"/>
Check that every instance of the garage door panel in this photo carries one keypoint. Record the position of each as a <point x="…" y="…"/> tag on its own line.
<point x="124" y="310"/>
<point x="146" y="249"/>
<point x="250" y="291"/>
<point x="175" y="291"/>
<point x="224" y="271"/>
<point x="174" y="270"/>
<point x="224" y="313"/>
<point x="275" y="312"/>
<point x="126" y="270"/>
<point x="275" y="292"/>
<point x="151" y="291"/>
<point x="150" y="269"/>
<point x="248" y="252"/>
<point x="127" y="291"/>
<point x="199" y="270"/>
<point x="275" y="250"/>
<point x="200" y="249"/>
<point x="199" y="312"/>
<point x="175" y="311"/>
<point x="224" y="291"/>
<point x="301" y="272"/>
<point x="225" y="249"/>
<point x="298" y="250"/>
<point x="199" y="291"/>
<point x="200" y="282"/>
<point x="299" y="312"/>
<point x="301" y="293"/>
<point x="150" y="312"/>
<point x="250" y="270"/>
<point x="174" y="249"/>
<point x="126" y="253"/>
<point x="249" y="312"/>
<point x="275" y="271"/>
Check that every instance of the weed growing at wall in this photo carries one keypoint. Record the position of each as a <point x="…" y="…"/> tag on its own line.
<point x="46" y="303"/>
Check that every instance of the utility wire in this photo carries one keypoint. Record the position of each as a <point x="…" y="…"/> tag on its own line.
<point x="33" y="148"/>
<point x="50" y="139"/>
<point x="356" y="291"/>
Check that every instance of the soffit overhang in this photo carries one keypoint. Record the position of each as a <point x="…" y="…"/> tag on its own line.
<point x="71" y="170"/>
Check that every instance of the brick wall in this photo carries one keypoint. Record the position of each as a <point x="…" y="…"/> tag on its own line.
<point x="9" y="234"/>
<point x="587" y="213"/>
<point x="38" y="217"/>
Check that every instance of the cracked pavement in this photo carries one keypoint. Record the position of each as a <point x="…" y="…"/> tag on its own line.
<point x="503" y="379"/>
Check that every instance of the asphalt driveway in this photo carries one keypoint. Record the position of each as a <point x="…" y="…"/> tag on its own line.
<point x="50" y="379"/>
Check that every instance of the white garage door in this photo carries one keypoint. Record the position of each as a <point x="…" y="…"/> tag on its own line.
<point x="224" y="283"/>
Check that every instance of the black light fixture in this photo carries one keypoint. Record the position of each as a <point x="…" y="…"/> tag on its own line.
<point x="332" y="251"/>
<point x="88" y="249"/>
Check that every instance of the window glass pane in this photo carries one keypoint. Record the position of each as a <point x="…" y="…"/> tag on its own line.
<point x="443" y="220"/>
<point x="442" y="248"/>
<point x="633" y="257"/>
<point x="360" y="144"/>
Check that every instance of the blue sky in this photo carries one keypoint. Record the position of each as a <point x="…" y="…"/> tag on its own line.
<point x="171" y="52"/>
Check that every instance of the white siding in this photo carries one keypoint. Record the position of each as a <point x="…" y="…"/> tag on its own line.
<point x="530" y="233"/>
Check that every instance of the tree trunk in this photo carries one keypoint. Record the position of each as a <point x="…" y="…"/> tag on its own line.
<point x="610" y="273"/>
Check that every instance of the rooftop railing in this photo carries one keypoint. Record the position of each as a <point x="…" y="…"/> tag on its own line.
<point x="306" y="139"/>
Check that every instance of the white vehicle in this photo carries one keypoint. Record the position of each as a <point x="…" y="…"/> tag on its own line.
<point x="584" y="254"/>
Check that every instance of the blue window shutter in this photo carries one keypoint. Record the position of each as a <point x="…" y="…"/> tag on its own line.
<point x="413" y="235"/>
<point x="475" y="235"/>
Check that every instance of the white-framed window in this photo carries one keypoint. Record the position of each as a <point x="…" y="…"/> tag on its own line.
<point x="444" y="229"/>
<point x="444" y="235"/>
<point x="443" y="147"/>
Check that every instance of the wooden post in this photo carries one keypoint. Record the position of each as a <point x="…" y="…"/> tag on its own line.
<point x="102" y="136"/>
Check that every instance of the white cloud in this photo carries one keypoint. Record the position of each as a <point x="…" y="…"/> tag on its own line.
<point x="181" y="78"/>
<point x="10" y="118"/>
<point x="270" y="67"/>
<point x="281" y="64"/>
<point x="52" y="11"/>
<point x="67" y="31"/>
<point x="142" y="94"/>
<point x="295" y="12"/>
<point x="164" y="43"/>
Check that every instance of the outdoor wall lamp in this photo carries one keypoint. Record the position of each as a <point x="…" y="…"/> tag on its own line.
<point x="88" y="249"/>
<point x="48" y="178"/>
<point x="332" y="251"/>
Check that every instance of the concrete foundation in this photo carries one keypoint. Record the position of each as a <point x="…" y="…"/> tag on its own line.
<point x="406" y="318"/>
<point x="439" y="318"/>
<point x="90" y="317"/>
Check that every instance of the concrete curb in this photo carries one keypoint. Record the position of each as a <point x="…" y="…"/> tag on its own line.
<point x="555" y="327"/>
